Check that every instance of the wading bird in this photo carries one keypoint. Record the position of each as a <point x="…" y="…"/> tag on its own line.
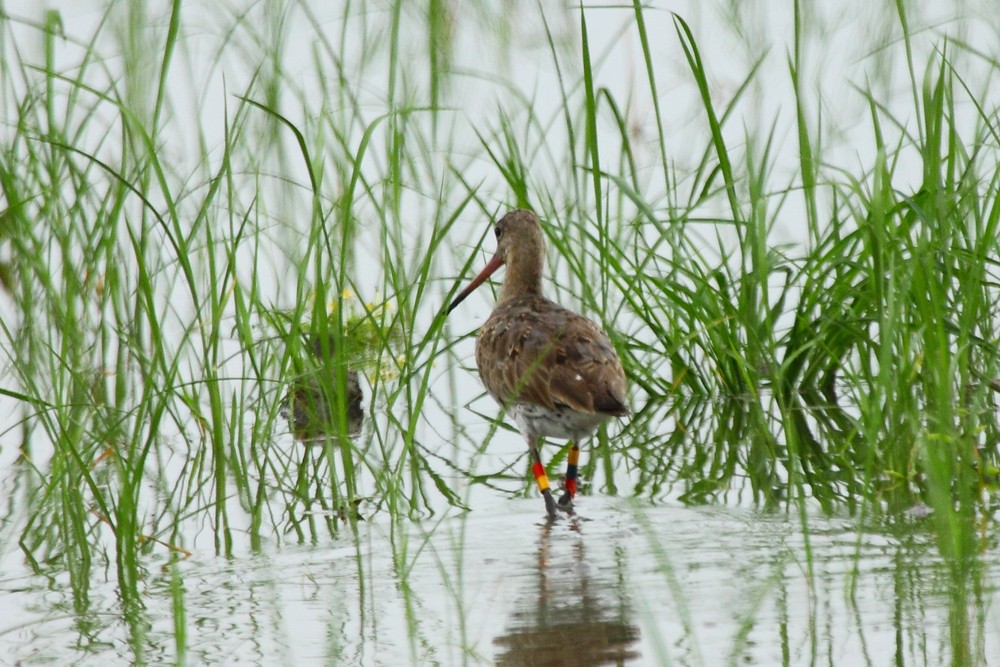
<point x="554" y="371"/>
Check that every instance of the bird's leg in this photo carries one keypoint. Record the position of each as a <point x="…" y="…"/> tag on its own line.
<point x="538" y="470"/>
<point x="566" y="499"/>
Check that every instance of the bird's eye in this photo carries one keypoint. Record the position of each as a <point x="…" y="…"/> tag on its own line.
<point x="498" y="231"/>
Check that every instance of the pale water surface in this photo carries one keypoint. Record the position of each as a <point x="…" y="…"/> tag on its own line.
<point x="622" y="583"/>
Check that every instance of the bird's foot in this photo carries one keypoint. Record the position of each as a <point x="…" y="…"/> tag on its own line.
<point x="566" y="502"/>
<point x="550" y="505"/>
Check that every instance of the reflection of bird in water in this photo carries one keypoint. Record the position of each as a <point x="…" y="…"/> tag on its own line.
<point x="569" y="618"/>
<point x="312" y="403"/>
<point x="555" y="371"/>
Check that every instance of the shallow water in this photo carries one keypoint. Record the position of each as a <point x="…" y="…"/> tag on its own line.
<point x="620" y="583"/>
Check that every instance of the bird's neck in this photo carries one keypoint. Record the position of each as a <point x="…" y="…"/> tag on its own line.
<point x="523" y="278"/>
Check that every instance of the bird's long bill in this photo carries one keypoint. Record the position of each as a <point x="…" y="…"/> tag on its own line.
<point x="487" y="271"/>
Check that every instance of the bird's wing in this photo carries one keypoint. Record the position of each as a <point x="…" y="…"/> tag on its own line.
<point x="549" y="356"/>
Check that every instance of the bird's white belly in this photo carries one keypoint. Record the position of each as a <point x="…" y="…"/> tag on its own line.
<point x="561" y="422"/>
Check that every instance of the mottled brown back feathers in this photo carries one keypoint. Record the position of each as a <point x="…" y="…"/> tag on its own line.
<point x="535" y="351"/>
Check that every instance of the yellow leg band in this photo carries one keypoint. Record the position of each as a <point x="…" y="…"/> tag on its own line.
<point x="540" y="476"/>
<point x="543" y="483"/>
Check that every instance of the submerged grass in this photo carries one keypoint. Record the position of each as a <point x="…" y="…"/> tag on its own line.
<point x="165" y="280"/>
